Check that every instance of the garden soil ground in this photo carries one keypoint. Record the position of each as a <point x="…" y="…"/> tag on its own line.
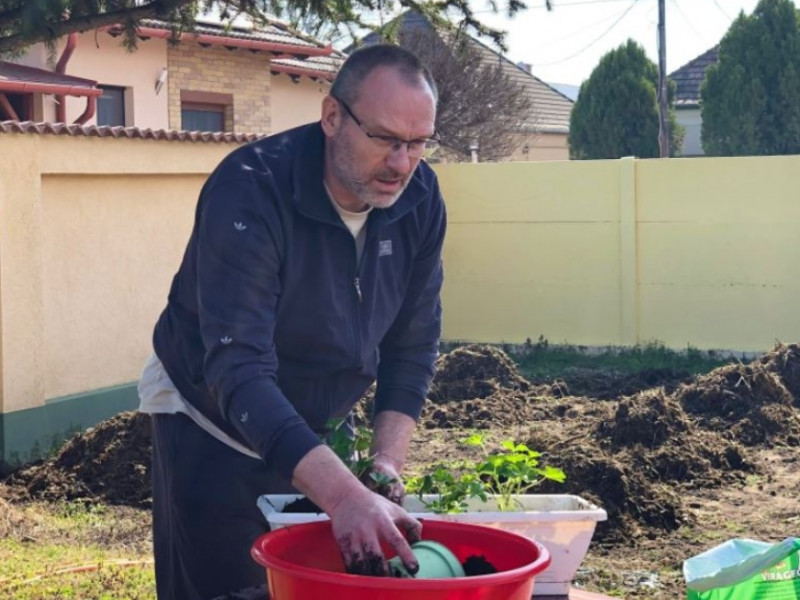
<point x="680" y="463"/>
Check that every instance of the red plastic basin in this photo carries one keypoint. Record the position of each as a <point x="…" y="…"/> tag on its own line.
<point x="303" y="563"/>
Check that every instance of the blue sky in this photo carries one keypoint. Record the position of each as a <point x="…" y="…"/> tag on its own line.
<point x="565" y="44"/>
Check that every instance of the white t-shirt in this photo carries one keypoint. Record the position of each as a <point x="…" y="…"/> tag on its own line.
<point x="355" y="223"/>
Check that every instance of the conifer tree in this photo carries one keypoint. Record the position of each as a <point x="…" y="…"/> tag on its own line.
<point x="616" y="113"/>
<point x="750" y="100"/>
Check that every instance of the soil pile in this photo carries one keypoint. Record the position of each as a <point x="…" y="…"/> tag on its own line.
<point x="476" y="371"/>
<point x="784" y="361"/>
<point x="110" y="463"/>
<point x="756" y="403"/>
<point x="479" y="386"/>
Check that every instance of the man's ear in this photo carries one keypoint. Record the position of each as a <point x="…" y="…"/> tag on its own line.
<point x="331" y="115"/>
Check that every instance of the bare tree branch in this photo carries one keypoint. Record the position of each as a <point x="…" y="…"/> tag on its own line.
<point x="479" y="103"/>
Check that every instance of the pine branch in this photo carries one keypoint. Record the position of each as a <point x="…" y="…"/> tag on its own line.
<point x="53" y="31"/>
<point x="11" y="16"/>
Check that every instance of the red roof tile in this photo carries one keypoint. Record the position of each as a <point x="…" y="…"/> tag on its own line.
<point x="323" y="67"/>
<point x="125" y="132"/>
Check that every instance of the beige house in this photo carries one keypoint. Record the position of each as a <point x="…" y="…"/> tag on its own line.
<point x="240" y="79"/>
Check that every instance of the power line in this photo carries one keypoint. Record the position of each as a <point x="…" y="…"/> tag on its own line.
<point x="579" y="31"/>
<point x="727" y="16"/>
<point x="592" y="43"/>
<point x="688" y="21"/>
<point x="555" y="6"/>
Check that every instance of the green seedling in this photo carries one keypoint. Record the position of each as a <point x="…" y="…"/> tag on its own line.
<point x="354" y="450"/>
<point x="501" y="474"/>
<point x="452" y="491"/>
<point x="514" y="471"/>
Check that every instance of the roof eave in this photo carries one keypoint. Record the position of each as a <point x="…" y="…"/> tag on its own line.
<point x="299" y="71"/>
<point x="231" y="42"/>
<point x="32" y="87"/>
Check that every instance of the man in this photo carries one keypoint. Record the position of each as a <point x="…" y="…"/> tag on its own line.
<point x="314" y="267"/>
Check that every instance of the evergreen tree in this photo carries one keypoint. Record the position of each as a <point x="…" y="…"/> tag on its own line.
<point x="750" y="100"/>
<point x="25" y="22"/>
<point x="616" y="113"/>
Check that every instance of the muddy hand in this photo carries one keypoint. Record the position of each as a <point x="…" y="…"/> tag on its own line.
<point x="384" y="478"/>
<point x="361" y="521"/>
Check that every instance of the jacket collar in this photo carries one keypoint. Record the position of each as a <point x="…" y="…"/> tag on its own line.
<point x="309" y="192"/>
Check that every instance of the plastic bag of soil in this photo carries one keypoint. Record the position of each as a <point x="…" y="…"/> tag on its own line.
<point x="742" y="569"/>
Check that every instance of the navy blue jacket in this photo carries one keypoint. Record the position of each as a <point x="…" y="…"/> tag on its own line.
<point x="271" y="327"/>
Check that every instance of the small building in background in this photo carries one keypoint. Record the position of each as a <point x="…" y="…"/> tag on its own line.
<point x="689" y="81"/>
<point x="235" y="79"/>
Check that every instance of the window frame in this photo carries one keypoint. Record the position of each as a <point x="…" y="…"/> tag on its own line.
<point x="121" y="109"/>
<point x="211" y="102"/>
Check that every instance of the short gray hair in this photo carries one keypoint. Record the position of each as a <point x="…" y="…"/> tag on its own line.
<point x="363" y="61"/>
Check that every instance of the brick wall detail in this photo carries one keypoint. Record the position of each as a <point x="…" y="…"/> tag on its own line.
<point x="240" y="72"/>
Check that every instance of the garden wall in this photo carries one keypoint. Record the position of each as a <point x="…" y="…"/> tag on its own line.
<point x="699" y="252"/>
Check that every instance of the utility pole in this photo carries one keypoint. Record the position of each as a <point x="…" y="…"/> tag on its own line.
<point x="663" y="127"/>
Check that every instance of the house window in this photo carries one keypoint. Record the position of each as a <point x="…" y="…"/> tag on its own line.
<point x="202" y="117"/>
<point x="111" y="106"/>
<point x="206" y="111"/>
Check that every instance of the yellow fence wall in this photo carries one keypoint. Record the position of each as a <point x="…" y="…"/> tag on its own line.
<point x="91" y="232"/>
<point x="701" y="252"/>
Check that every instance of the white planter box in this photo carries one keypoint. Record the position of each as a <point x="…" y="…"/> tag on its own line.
<point x="563" y="523"/>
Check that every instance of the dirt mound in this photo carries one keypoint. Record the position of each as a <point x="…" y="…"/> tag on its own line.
<point x="784" y="361"/>
<point x="630" y="496"/>
<point x="632" y="457"/>
<point x="110" y="462"/>
<point x="479" y="386"/>
<point x="748" y="402"/>
<point x="475" y="371"/>
<point x="649" y="419"/>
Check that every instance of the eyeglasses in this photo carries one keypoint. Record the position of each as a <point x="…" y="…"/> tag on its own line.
<point x="415" y="148"/>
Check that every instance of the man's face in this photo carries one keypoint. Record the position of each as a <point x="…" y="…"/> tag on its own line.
<point x="366" y="171"/>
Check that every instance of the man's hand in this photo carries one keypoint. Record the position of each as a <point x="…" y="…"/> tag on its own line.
<point x="360" y="518"/>
<point x="383" y="478"/>
<point x="360" y="521"/>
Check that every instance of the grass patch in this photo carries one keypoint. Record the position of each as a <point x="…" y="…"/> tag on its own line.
<point x="75" y="550"/>
<point x="542" y="361"/>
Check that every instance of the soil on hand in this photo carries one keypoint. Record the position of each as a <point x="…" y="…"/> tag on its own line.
<point x="680" y="465"/>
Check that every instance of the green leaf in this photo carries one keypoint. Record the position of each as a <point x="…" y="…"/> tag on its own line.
<point x="475" y="439"/>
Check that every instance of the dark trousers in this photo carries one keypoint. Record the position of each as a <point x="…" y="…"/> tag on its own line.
<point x="205" y="517"/>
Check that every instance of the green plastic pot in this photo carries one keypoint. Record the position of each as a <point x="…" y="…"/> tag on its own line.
<point x="435" y="562"/>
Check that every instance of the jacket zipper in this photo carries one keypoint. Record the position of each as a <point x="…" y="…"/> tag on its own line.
<point x="359" y="298"/>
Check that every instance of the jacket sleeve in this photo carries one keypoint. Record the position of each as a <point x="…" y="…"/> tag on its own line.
<point x="410" y="348"/>
<point x="238" y="285"/>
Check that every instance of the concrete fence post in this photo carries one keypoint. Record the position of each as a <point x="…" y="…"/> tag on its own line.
<point x="628" y="253"/>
